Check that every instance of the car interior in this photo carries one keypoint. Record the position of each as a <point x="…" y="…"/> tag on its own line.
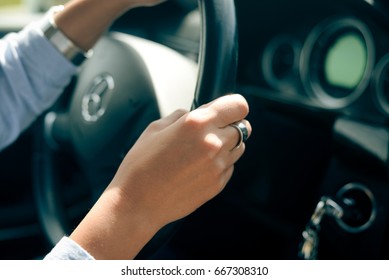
<point x="313" y="182"/>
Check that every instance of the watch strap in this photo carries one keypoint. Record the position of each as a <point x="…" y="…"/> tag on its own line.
<point x="64" y="45"/>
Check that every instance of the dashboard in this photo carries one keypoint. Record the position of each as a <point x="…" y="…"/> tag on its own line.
<point x="330" y="56"/>
<point x="316" y="75"/>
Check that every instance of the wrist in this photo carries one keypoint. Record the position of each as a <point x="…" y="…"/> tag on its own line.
<point x="132" y="208"/>
<point x="59" y="40"/>
<point x="112" y="230"/>
<point x="84" y="21"/>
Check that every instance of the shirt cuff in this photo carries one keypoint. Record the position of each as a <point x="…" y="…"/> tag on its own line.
<point x="41" y="53"/>
<point x="67" y="249"/>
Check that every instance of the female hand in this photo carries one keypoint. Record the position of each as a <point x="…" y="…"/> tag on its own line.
<point x="182" y="161"/>
<point x="179" y="163"/>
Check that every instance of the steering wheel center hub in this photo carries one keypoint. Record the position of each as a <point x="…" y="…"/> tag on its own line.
<point x="94" y="102"/>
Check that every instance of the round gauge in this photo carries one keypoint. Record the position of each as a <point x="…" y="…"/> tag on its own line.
<point x="280" y="62"/>
<point x="337" y="61"/>
<point x="345" y="63"/>
<point x="381" y="84"/>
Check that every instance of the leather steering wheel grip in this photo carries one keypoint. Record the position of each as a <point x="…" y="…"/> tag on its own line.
<point x="218" y="50"/>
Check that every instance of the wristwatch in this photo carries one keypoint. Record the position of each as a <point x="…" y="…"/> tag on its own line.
<point x="64" y="45"/>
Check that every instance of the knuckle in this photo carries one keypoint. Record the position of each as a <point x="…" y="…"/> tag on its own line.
<point x="195" y="120"/>
<point x="212" y="142"/>
<point x="180" y="112"/>
<point x="155" y="125"/>
<point x="211" y="145"/>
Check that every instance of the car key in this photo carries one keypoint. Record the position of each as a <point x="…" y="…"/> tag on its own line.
<point x="310" y="244"/>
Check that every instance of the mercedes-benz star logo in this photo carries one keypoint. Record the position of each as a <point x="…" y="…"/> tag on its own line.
<point x="95" y="100"/>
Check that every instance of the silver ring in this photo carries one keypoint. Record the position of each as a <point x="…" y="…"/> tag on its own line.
<point x="243" y="133"/>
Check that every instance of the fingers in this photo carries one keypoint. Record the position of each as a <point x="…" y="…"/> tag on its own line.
<point x="170" y="119"/>
<point x="173" y="117"/>
<point x="226" y="176"/>
<point x="220" y="114"/>
<point x="235" y="136"/>
<point x="230" y="136"/>
<point x="224" y="118"/>
<point x="228" y="109"/>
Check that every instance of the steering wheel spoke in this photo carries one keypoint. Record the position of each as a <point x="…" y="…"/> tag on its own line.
<point x="56" y="130"/>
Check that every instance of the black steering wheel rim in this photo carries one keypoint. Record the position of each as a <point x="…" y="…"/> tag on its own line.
<point x="216" y="77"/>
<point x="218" y="58"/>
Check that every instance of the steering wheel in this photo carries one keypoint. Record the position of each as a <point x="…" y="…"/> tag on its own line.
<point x="115" y="95"/>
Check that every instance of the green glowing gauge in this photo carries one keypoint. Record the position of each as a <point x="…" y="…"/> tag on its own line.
<point x="337" y="61"/>
<point x="345" y="62"/>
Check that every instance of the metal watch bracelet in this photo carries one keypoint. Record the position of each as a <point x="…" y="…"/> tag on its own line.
<point x="64" y="45"/>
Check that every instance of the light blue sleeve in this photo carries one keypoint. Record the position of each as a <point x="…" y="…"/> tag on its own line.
<point x="67" y="249"/>
<point x="33" y="73"/>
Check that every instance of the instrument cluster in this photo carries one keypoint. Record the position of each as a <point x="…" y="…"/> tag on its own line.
<point x="336" y="60"/>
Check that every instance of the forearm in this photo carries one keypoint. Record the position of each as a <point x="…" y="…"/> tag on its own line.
<point x="84" y="21"/>
<point x="111" y="231"/>
<point x="32" y="76"/>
